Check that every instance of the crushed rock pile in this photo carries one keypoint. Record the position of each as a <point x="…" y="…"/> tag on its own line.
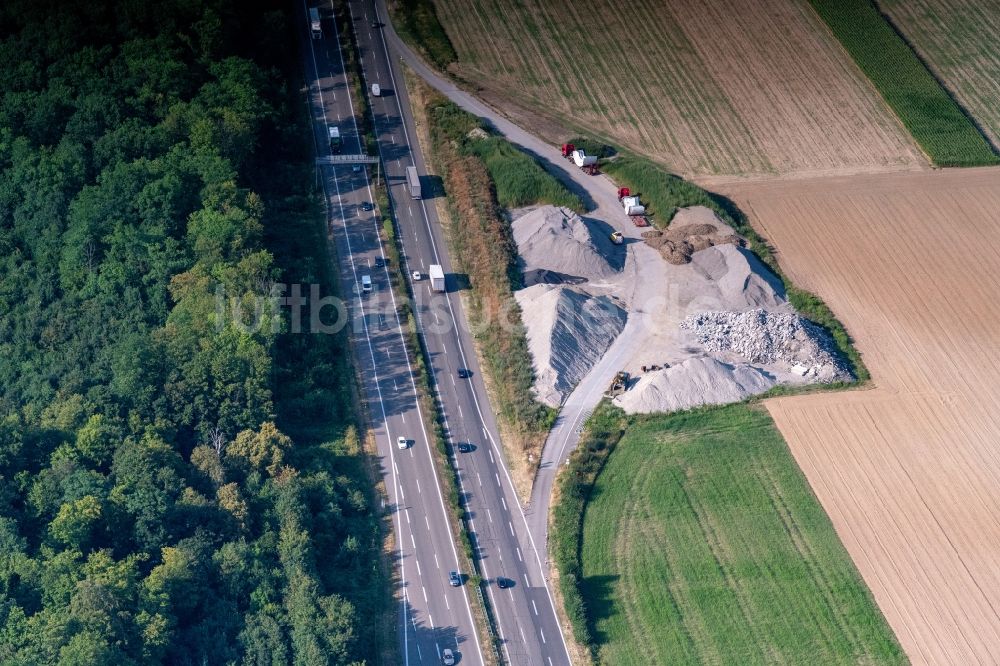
<point x="561" y="242"/>
<point x="691" y="230"/>
<point x="765" y="338"/>
<point x="568" y="331"/>
<point x="696" y="381"/>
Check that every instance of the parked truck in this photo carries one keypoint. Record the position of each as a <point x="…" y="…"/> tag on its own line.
<point x="335" y="142"/>
<point x="633" y="207"/>
<point x="436" y="274"/>
<point x="413" y="181"/>
<point x="314" y="23"/>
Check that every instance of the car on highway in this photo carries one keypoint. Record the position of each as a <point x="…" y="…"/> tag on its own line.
<point x="464" y="373"/>
<point x="447" y="657"/>
<point x="454" y="578"/>
<point x="504" y="583"/>
<point x="356" y="168"/>
<point x="464" y="447"/>
<point x="366" y="283"/>
<point x="402" y="442"/>
<point x="379" y="263"/>
<point x="367" y="206"/>
<point x="417" y="276"/>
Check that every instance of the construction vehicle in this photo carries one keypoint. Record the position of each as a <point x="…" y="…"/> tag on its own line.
<point x="567" y="150"/>
<point x="436" y="274"/>
<point x="413" y="181"/>
<point x="335" y="142"/>
<point x="314" y="24"/>
<point x="617" y="237"/>
<point x="618" y="384"/>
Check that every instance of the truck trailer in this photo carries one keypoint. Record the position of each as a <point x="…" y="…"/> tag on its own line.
<point x="314" y="23"/>
<point x="335" y="142"/>
<point x="436" y="274"/>
<point x="413" y="181"/>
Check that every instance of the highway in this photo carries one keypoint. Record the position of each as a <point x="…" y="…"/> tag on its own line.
<point x="527" y="624"/>
<point x="433" y="614"/>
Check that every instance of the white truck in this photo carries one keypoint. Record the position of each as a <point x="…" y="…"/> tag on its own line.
<point x="335" y="142"/>
<point x="314" y="23"/>
<point x="436" y="274"/>
<point x="413" y="181"/>
<point x="582" y="159"/>
<point x="633" y="206"/>
<point x="376" y="90"/>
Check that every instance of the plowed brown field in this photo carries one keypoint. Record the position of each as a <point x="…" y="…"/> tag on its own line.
<point x="702" y="86"/>
<point x="909" y="472"/>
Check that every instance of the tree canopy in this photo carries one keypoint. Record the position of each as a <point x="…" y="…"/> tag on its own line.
<point x="174" y="487"/>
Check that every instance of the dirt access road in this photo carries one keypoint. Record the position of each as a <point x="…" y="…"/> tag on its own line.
<point x="909" y="471"/>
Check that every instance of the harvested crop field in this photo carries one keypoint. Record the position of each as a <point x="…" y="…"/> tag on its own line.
<point x="704" y="87"/>
<point x="909" y="472"/>
<point x="958" y="39"/>
<point x="703" y="544"/>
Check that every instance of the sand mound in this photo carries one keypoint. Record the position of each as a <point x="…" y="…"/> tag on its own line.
<point x="696" y="381"/>
<point x="568" y="331"/>
<point x="765" y="338"/>
<point x="742" y="280"/>
<point x="691" y="230"/>
<point x="558" y="240"/>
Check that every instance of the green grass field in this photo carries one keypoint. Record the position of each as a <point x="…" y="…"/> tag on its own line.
<point x="702" y="543"/>
<point x="922" y="104"/>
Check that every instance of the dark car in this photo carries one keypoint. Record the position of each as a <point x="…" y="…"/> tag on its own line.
<point x="367" y="205"/>
<point x="464" y="447"/>
<point x="504" y="583"/>
<point x="454" y="578"/>
<point x="464" y="373"/>
<point x="379" y="263"/>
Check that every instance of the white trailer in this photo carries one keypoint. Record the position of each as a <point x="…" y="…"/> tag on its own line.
<point x="436" y="274"/>
<point x="633" y="206"/>
<point x="314" y="24"/>
<point x="582" y="159"/>
<point x="413" y="181"/>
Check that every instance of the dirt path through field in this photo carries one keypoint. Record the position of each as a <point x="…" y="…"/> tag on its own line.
<point x="909" y="471"/>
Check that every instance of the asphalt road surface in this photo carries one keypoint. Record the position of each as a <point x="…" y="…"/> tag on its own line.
<point x="434" y="614"/>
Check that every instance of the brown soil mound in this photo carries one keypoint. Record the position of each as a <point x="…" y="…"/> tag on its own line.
<point x="677" y="244"/>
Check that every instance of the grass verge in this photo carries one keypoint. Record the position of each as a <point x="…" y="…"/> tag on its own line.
<point x="416" y="21"/>
<point x="925" y="107"/>
<point x="701" y="541"/>
<point x="663" y="193"/>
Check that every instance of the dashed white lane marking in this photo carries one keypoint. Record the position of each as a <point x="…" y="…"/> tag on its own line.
<point x="497" y="478"/>
<point x="410" y="210"/>
<point x="413" y="541"/>
<point x="511" y="526"/>
<point x="418" y="573"/>
<point x="525" y="576"/>
<point x="534" y="607"/>
<point x="403" y="416"/>
<point x="480" y="479"/>
<point x="490" y="451"/>
<point x="523" y="637"/>
<point x="446" y="604"/>
<point x="460" y="412"/>
<point x="542" y="634"/>
<point x="519" y="558"/>
<point x="504" y="502"/>
<point x="489" y="515"/>
<point x="424" y="590"/>
<point x="436" y="563"/>
<point x="418" y="485"/>
<point x="550" y="661"/>
<point x="453" y="381"/>
<point x="485" y="434"/>
<point x="428" y="523"/>
<point x="430" y="620"/>
<point x="406" y="512"/>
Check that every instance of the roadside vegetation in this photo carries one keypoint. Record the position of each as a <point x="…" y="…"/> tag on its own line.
<point x="663" y="193"/>
<point x="928" y="111"/>
<point x="482" y="174"/>
<point x="700" y="541"/>
<point x="175" y="487"/>
<point x="416" y="21"/>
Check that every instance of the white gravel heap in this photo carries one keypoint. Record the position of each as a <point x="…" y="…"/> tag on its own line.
<point x="568" y="330"/>
<point x="696" y="381"/>
<point x="559" y="240"/>
<point x="768" y="338"/>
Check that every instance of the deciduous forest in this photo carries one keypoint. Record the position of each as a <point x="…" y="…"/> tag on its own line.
<point x="175" y="488"/>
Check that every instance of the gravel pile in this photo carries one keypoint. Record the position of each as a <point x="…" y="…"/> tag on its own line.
<point x="766" y="338"/>
<point x="568" y="331"/>
<point x="561" y="242"/>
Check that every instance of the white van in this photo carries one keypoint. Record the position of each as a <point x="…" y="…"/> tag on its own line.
<point x="376" y="90"/>
<point x="366" y="283"/>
